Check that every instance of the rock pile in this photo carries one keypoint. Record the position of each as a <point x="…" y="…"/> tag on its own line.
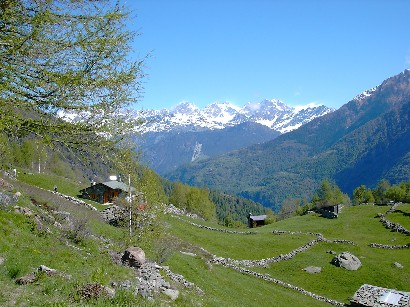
<point x="151" y="282"/>
<point x="149" y="279"/>
<point x="171" y="209"/>
<point x="8" y="199"/>
<point x="113" y="214"/>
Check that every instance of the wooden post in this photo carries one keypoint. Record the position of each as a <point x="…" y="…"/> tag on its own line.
<point x="130" y="201"/>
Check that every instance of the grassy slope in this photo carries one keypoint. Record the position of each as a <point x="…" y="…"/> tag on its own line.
<point x="358" y="224"/>
<point x="25" y="249"/>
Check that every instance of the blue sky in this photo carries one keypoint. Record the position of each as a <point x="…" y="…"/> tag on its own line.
<point x="319" y="51"/>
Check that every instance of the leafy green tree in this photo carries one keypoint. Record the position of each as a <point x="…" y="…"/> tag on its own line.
<point x="194" y="200"/>
<point x="59" y="57"/>
<point x="27" y="149"/>
<point x="396" y="193"/>
<point x="406" y="186"/>
<point x="362" y="195"/>
<point x="288" y="208"/>
<point x="198" y="202"/>
<point x="5" y="152"/>
<point x="330" y="194"/>
<point x="270" y="216"/>
<point x="179" y="196"/>
<point x="380" y="191"/>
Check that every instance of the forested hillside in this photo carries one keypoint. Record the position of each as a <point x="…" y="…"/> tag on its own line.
<point x="165" y="151"/>
<point x="364" y="141"/>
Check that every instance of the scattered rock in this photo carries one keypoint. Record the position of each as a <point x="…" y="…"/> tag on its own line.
<point x="347" y="260"/>
<point x="47" y="270"/>
<point x="5" y="184"/>
<point x="313" y="269"/>
<point x="331" y="252"/>
<point x="398" y="265"/>
<point x="188" y="254"/>
<point x="23" y="210"/>
<point x="126" y="284"/>
<point x="2" y="260"/>
<point x="133" y="257"/>
<point x="6" y="199"/>
<point x="95" y="290"/>
<point x="26" y="279"/>
<point x="173" y="294"/>
<point x="115" y="257"/>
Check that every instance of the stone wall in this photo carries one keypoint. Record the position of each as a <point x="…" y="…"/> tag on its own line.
<point x="393" y="226"/>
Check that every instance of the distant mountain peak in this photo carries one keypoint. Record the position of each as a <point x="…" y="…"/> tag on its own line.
<point x="365" y="94"/>
<point x="184" y="107"/>
<point x="273" y="113"/>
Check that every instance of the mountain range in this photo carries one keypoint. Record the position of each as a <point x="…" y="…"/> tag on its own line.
<point x="185" y="133"/>
<point x="364" y="141"/>
<point x="186" y="116"/>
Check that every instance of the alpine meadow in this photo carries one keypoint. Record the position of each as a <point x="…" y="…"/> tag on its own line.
<point x="102" y="204"/>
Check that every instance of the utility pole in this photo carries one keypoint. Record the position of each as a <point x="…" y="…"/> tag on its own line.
<point x="130" y="203"/>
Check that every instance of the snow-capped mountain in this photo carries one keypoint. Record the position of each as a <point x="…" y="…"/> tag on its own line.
<point x="271" y="113"/>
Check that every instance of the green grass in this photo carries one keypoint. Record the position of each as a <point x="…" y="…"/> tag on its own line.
<point x="237" y="246"/>
<point x="359" y="224"/>
<point x="64" y="185"/>
<point x="225" y="287"/>
<point x="48" y="181"/>
<point x="401" y="215"/>
<point x="24" y="248"/>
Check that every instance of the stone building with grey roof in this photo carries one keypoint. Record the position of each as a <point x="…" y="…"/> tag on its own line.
<point x="368" y="295"/>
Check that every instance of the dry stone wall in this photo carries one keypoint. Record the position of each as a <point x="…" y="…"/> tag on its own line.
<point x="393" y="226"/>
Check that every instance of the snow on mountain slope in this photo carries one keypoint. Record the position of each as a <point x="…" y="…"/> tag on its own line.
<point x="272" y="113"/>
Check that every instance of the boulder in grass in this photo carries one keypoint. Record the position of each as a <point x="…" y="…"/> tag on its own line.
<point x="313" y="269"/>
<point x="347" y="260"/>
<point x="133" y="257"/>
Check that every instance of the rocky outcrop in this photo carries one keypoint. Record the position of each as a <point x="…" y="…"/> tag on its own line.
<point x="133" y="257"/>
<point x="347" y="260"/>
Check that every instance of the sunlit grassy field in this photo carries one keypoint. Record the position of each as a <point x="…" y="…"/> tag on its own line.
<point x="24" y="248"/>
<point x="358" y="224"/>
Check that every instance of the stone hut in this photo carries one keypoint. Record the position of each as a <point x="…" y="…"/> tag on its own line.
<point x="331" y="212"/>
<point x="256" y="220"/>
<point x="368" y="295"/>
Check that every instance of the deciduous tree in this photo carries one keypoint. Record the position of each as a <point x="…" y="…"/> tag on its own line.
<point x="58" y="57"/>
